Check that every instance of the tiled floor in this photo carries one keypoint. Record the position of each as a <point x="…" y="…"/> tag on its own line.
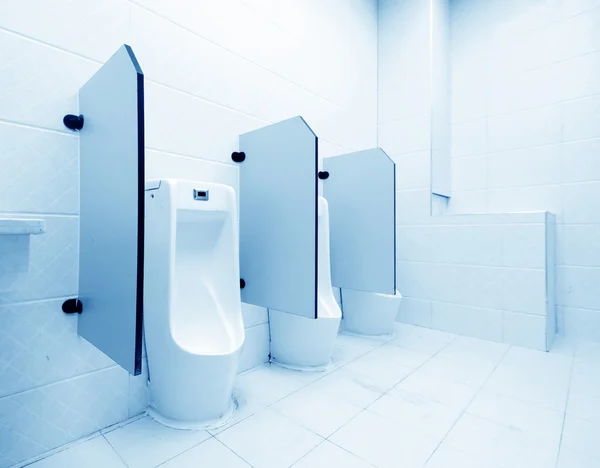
<point x="424" y="399"/>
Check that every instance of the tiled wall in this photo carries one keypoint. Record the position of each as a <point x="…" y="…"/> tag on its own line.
<point x="525" y="132"/>
<point x="213" y="70"/>
<point x="484" y="276"/>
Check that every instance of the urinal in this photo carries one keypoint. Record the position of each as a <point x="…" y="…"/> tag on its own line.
<point x="304" y="343"/>
<point x="367" y="313"/>
<point x="192" y="307"/>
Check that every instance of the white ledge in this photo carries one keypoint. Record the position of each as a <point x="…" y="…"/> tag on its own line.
<point x="22" y="226"/>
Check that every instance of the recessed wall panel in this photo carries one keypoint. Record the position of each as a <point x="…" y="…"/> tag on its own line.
<point x="112" y="210"/>
<point x="278" y="217"/>
<point x="361" y="193"/>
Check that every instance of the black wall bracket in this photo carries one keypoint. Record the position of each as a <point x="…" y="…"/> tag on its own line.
<point x="72" y="306"/>
<point x="242" y="283"/>
<point x="323" y="175"/>
<point x="73" y="122"/>
<point x="238" y="157"/>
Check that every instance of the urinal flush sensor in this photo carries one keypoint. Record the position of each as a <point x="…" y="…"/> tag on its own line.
<point x="200" y="194"/>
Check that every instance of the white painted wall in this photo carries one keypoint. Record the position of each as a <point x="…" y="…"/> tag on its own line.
<point x="525" y="132"/>
<point x="213" y="70"/>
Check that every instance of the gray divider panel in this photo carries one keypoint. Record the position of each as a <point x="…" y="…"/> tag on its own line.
<point x="111" y="246"/>
<point x="278" y="217"/>
<point x="361" y="193"/>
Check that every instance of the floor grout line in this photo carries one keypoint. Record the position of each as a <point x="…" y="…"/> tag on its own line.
<point x="464" y="411"/>
<point x="357" y="350"/>
<point x="114" y="449"/>
<point x="562" y="429"/>
<point x="325" y="374"/>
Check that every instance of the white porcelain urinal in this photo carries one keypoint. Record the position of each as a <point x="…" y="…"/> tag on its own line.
<point x="192" y="307"/>
<point x="305" y="343"/>
<point x="367" y="313"/>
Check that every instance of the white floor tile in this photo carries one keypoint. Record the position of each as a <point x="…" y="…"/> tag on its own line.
<point x="380" y="367"/>
<point x="272" y="382"/>
<point x="534" y="376"/>
<point x="588" y="352"/>
<point x="491" y="441"/>
<point x="467" y="360"/>
<point x="414" y="411"/>
<point x="420" y="339"/>
<point x="472" y="370"/>
<point x="209" y="454"/>
<point x="569" y="458"/>
<point x="318" y="411"/>
<point x="584" y="393"/>
<point x="269" y="440"/>
<point x="400" y="355"/>
<point x="349" y="347"/>
<point x="447" y="456"/>
<point x="94" y="453"/>
<point x="582" y="435"/>
<point x="533" y="421"/>
<point x="384" y="443"/>
<point x="466" y="345"/>
<point x="455" y="395"/>
<point x="262" y="387"/>
<point x="354" y="388"/>
<point x="146" y="443"/>
<point x="328" y="455"/>
<point x="414" y="389"/>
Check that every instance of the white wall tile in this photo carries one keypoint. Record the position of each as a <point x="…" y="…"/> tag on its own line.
<point x="172" y="116"/>
<point x="254" y="315"/>
<point x="52" y="259"/>
<point x="469" y="138"/>
<point x="256" y="347"/>
<point x="468" y="103"/>
<point x="165" y="165"/>
<point x="406" y="135"/>
<point x="412" y="206"/>
<point x="39" y="83"/>
<point x="49" y="416"/>
<point x="472" y="201"/>
<point x="533" y="96"/>
<point x="580" y="161"/>
<point x="524" y="246"/>
<point x="469" y="173"/>
<point x="534" y="127"/>
<point x="39" y="170"/>
<point x="525" y="167"/>
<point x="525" y="291"/>
<point x="410" y="96"/>
<point x="526" y="89"/>
<point x="415" y="312"/>
<point x="579" y="203"/>
<point x="579" y="118"/>
<point x="243" y="67"/>
<point x="523" y="199"/>
<point x="580" y="245"/>
<point x="87" y="21"/>
<point x="581" y="323"/>
<point x="412" y="170"/>
<point x="472" y="321"/>
<point x="525" y="330"/>
<point x="577" y="76"/>
<point x="40" y="346"/>
<point x="583" y="34"/>
<point x="578" y="287"/>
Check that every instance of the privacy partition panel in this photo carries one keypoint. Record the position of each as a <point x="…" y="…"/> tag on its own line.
<point x="278" y="217"/>
<point x="361" y="193"/>
<point x="111" y="249"/>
